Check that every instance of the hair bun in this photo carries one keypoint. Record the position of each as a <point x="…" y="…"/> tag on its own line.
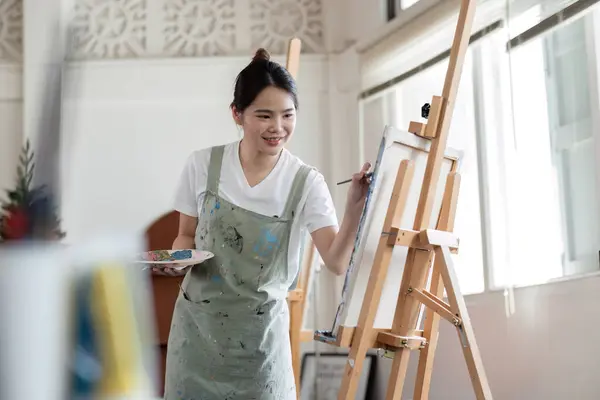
<point x="261" y="55"/>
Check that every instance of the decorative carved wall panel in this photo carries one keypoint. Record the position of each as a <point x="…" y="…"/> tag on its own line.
<point x="195" y="27"/>
<point x="109" y="29"/>
<point x="11" y="30"/>
<point x="274" y="22"/>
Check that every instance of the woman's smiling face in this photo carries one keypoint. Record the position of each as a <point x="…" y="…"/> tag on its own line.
<point x="269" y="121"/>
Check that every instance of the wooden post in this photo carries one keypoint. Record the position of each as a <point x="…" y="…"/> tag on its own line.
<point x="293" y="57"/>
<point x="297" y="297"/>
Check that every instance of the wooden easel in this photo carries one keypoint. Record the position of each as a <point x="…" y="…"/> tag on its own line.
<point x="428" y="255"/>
<point x="297" y="298"/>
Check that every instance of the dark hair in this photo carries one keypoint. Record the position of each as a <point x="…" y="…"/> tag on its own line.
<point x="259" y="74"/>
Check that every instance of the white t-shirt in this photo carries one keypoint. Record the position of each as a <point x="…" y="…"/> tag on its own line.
<point x="268" y="197"/>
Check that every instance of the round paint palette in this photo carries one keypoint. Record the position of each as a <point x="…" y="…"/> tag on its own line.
<point x="177" y="259"/>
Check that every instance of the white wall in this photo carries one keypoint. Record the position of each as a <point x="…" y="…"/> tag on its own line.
<point x="353" y="21"/>
<point x="546" y="350"/>
<point x="129" y="126"/>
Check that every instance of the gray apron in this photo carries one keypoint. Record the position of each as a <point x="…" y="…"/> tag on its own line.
<point x="229" y="336"/>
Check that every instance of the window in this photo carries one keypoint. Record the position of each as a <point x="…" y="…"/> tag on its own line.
<point x="552" y="187"/>
<point x="527" y="117"/>
<point x="396" y="6"/>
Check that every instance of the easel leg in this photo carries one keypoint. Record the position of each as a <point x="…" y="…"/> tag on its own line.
<point x="432" y="319"/>
<point x="431" y="334"/>
<point x="407" y="312"/>
<point x="465" y="330"/>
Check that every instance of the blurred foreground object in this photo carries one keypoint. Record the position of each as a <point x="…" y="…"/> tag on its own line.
<point x="34" y="322"/>
<point x="75" y="321"/>
<point x="29" y="212"/>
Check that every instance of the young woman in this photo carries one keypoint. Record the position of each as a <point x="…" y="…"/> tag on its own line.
<point x="248" y="202"/>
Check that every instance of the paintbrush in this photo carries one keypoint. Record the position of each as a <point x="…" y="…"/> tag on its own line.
<point x="367" y="176"/>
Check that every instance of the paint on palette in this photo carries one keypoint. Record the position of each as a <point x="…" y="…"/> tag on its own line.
<point x="168" y="255"/>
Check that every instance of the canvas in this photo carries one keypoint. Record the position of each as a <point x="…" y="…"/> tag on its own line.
<point x="395" y="146"/>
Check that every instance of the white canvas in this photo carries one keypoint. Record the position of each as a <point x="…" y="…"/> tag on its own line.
<point x="395" y="146"/>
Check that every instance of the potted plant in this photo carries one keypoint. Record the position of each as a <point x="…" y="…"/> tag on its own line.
<point x="28" y="212"/>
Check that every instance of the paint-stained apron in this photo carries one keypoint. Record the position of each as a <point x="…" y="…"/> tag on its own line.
<point x="229" y="336"/>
